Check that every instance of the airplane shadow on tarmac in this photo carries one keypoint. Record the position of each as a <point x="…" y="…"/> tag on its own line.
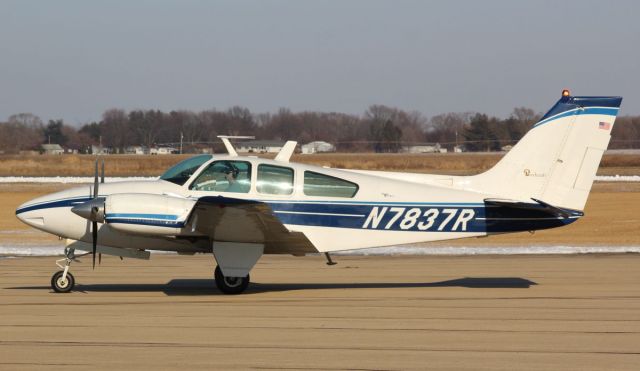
<point x="207" y="286"/>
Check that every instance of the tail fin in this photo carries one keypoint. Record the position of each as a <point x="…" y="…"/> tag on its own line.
<point x="556" y="161"/>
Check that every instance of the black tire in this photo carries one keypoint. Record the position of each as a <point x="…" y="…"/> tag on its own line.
<point x="62" y="286"/>
<point x="230" y="285"/>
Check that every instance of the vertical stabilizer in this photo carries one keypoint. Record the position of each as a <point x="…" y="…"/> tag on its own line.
<point x="556" y="161"/>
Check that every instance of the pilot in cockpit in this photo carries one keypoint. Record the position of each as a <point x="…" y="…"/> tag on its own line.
<point x="221" y="176"/>
<point x="231" y="174"/>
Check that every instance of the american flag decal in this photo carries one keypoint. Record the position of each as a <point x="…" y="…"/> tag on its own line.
<point x="604" y="125"/>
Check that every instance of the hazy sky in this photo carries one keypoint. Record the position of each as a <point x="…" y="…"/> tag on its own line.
<point x="75" y="59"/>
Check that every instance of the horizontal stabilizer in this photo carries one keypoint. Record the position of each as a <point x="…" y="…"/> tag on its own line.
<point x="517" y="216"/>
<point x="538" y="207"/>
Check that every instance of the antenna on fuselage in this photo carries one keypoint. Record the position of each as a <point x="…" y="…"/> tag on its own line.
<point x="287" y="150"/>
<point x="229" y="146"/>
<point x="329" y="261"/>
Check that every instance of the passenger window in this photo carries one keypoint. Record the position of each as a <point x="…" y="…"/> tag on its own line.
<point x="316" y="184"/>
<point x="275" y="180"/>
<point x="224" y="176"/>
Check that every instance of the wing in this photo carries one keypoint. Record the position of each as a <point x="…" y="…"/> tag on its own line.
<point x="236" y="220"/>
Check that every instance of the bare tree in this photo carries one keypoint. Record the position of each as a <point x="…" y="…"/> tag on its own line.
<point x="115" y="129"/>
<point x="21" y="132"/>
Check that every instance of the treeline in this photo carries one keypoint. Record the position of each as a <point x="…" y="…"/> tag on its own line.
<point x="380" y="129"/>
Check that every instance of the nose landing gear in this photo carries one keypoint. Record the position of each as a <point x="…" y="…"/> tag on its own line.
<point x="63" y="281"/>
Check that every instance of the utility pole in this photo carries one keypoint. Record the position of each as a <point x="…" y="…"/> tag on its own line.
<point x="181" y="137"/>
<point x="456" y="147"/>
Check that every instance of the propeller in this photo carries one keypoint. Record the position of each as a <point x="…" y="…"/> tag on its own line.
<point x="96" y="238"/>
<point x="93" y="210"/>
<point x="94" y="224"/>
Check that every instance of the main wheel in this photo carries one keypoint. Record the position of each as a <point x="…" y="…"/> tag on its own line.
<point x="230" y="285"/>
<point x="60" y="285"/>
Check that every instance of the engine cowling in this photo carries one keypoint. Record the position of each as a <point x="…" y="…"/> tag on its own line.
<point x="148" y="214"/>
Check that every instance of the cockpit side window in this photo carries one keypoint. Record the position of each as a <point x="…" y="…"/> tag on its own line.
<point x="316" y="184"/>
<point x="224" y="176"/>
<point x="182" y="171"/>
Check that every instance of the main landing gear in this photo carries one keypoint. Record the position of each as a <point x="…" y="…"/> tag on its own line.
<point x="230" y="285"/>
<point x="63" y="281"/>
<point x="235" y="261"/>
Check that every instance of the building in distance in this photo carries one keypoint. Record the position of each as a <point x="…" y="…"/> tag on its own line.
<point x="429" y="148"/>
<point x="100" y="150"/>
<point x="136" y="150"/>
<point x="317" y="147"/>
<point x="52" y="149"/>
<point x="260" y="146"/>
<point x="163" y="151"/>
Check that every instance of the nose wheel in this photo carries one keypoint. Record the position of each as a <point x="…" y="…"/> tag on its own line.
<point x="63" y="281"/>
<point x="230" y="285"/>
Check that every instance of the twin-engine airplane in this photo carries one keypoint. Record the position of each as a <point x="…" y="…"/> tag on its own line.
<point x="239" y="208"/>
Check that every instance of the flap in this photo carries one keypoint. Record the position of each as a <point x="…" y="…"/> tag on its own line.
<point x="236" y="220"/>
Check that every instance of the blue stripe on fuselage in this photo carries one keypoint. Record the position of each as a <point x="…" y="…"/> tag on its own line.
<point x="147" y="222"/>
<point x="418" y="218"/>
<point x="396" y="216"/>
<point x="140" y="216"/>
<point x="68" y="202"/>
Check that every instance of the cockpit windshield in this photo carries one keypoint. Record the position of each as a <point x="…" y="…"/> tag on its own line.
<point x="183" y="170"/>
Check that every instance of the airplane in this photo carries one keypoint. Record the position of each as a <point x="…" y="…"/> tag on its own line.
<point x="239" y="208"/>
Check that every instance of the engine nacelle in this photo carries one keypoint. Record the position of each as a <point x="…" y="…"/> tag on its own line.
<point x="148" y="214"/>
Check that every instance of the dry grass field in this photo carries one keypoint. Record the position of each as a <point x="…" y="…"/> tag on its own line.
<point x="83" y="165"/>
<point x="132" y="165"/>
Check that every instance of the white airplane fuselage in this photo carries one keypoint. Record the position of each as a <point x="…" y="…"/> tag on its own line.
<point x="383" y="212"/>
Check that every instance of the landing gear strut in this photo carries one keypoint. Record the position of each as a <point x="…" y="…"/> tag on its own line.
<point x="235" y="261"/>
<point x="230" y="285"/>
<point x="63" y="281"/>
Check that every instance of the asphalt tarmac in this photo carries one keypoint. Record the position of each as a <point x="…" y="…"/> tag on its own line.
<point x="579" y="312"/>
